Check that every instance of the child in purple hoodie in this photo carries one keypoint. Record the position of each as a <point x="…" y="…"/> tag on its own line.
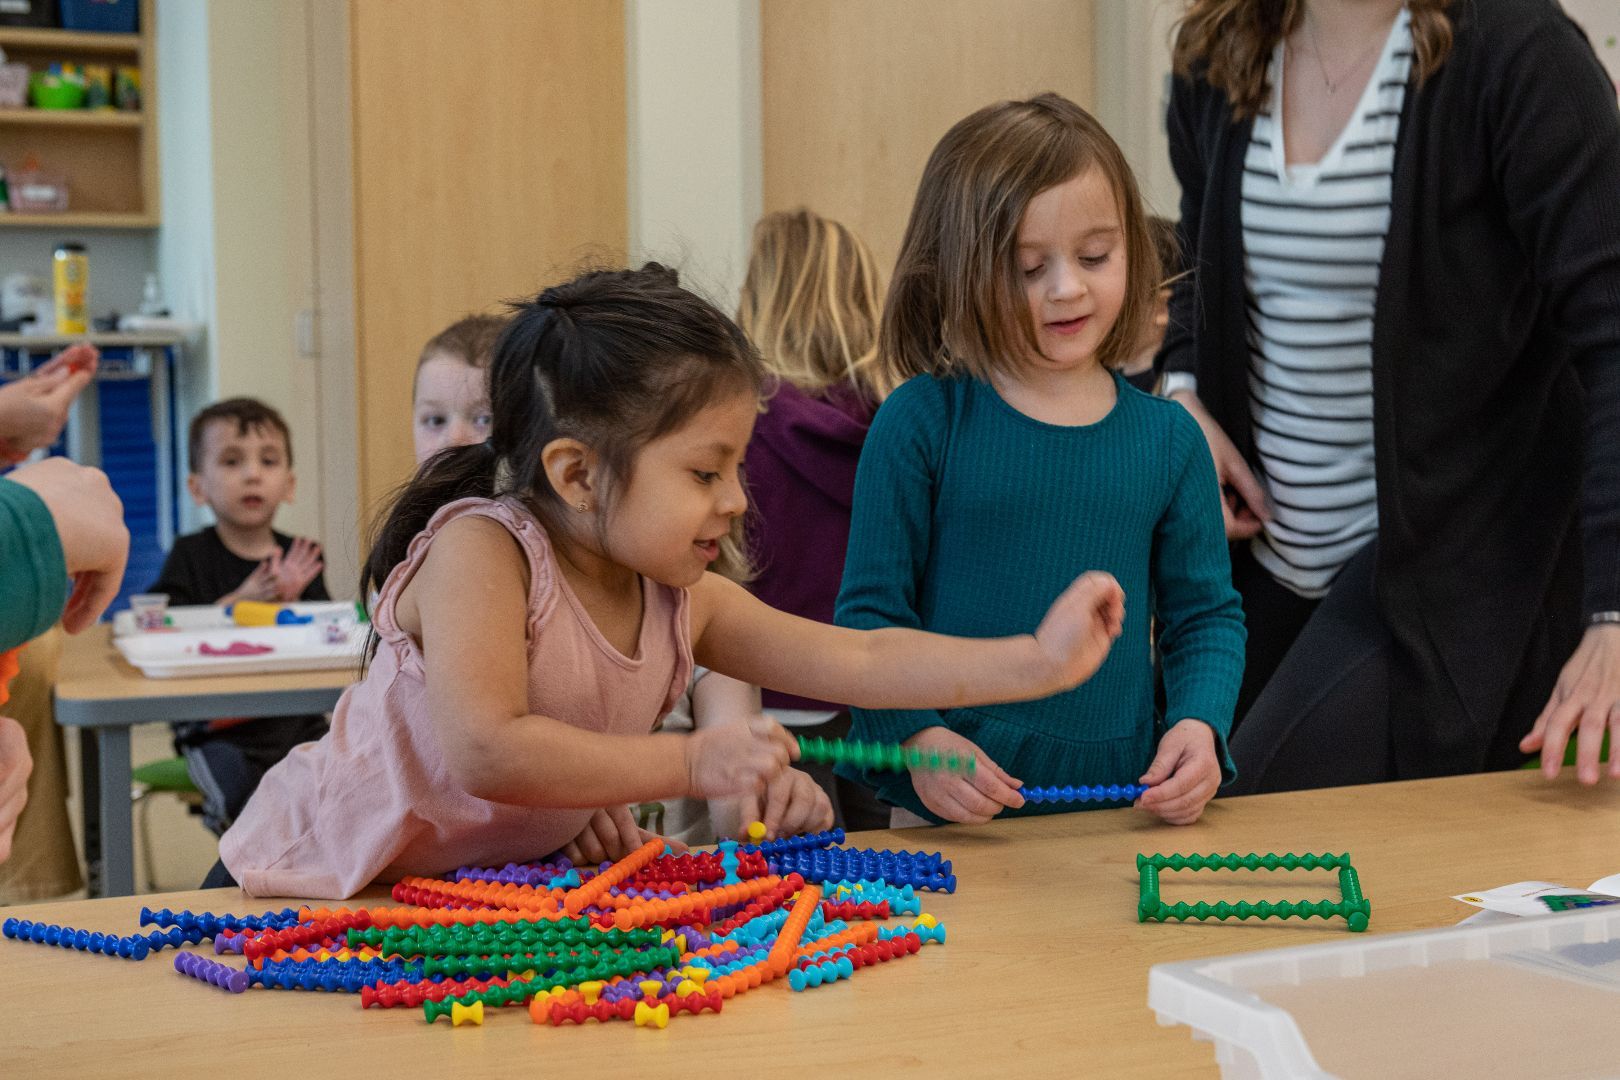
<point x="811" y="305"/>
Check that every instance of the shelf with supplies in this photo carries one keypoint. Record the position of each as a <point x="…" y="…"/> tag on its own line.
<point x="88" y="219"/>
<point x="107" y="159"/>
<point x="83" y="118"/>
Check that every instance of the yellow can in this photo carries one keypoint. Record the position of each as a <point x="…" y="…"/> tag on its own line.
<point x="72" y="275"/>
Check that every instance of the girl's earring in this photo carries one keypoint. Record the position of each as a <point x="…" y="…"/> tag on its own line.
<point x="582" y="507"/>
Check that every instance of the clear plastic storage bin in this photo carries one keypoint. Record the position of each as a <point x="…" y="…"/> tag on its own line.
<point x="1529" y="998"/>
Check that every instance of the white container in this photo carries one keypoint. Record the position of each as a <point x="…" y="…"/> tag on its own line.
<point x="178" y="654"/>
<point x="1527" y="998"/>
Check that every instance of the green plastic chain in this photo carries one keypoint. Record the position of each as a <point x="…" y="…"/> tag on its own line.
<point x="887" y="756"/>
<point x="1352" y="906"/>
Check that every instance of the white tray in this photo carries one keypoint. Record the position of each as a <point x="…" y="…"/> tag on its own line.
<point x="1526" y="998"/>
<point x="213" y="617"/>
<point x="172" y="654"/>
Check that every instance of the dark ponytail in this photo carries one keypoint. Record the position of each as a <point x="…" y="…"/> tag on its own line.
<point x="613" y="358"/>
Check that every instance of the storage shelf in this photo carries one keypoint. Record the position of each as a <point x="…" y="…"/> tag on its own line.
<point x="81" y="219"/>
<point x="69" y="41"/>
<point x="81" y="118"/>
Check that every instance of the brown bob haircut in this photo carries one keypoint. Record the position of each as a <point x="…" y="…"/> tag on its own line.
<point x="957" y="303"/>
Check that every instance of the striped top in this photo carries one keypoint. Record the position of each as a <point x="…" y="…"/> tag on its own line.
<point x="1313" y="238"/>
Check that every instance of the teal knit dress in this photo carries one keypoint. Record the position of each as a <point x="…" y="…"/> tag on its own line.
<point x="970" y="518"/>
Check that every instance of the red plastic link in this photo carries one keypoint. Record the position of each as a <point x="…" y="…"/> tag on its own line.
<point x="312" y="934"/>
<point x="850" y="909"/>
<point x="761" y="905"/>
<point x="406" y="994"/>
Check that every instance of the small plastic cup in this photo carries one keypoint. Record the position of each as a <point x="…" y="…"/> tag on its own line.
<point x="150" y="610"/>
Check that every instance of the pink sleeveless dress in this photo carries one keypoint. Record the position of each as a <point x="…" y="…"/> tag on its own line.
<point x="373" y="799"/>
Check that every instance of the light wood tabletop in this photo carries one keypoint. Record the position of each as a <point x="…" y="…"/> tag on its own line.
<point x="102" y="695"/>
<point x="94" y="672"/>
<point x="1044" y="972"/>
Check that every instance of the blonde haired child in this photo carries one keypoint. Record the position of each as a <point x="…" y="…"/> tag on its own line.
<point x="811" y="304"/>
<point x="1016" y="453"/>
<point x="544" y="595"/>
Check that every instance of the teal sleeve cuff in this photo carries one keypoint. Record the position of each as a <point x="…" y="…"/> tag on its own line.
<point x="33" y="570"/>
<point x="1223" y="752"/>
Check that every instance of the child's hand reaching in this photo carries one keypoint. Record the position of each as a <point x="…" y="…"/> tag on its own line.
<point x="969" y="799"/>
<point x="294" y="570"/>
<point x="609" y="836"/>
<point x="736" y="759"/>
<point x="259" y="585"/>
<point x="1080" y="627"/>
<point x="793" y="803"/>
<point x="1184" y="774"/>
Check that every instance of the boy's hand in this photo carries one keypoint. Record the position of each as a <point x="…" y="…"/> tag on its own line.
<point x="609" y="836"/>
<point x="294" y="570"/>
<point x="969" y="799"/>
<point x="793" y="803"/>
<point x="259" y="585"/>
<point x="736" y="759"/>
<point x="34" y="409"/>
<point x="1080" y="628"/>
<point x="1184" y="775"/>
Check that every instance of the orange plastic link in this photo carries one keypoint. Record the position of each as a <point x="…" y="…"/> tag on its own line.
<point x="780" y="958"/>
<point x="654" y="911"/>
<point x="577" y="900"/>
<point x="858" y="934"/>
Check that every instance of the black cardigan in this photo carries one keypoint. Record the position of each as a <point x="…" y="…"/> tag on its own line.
<point x="1496" y="348"/>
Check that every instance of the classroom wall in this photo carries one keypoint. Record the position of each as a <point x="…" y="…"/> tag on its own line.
<point x="1133" y="90"/>
<point x="692" y="71"/>
<point x="856" y="94"/>
<point x="489" y="160"/>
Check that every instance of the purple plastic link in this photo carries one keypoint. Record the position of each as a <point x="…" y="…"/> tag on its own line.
<point x="211" y="971"/>
<point x="533" y="873"/>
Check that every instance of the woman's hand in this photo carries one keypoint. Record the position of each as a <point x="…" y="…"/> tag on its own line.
<point x="1585" y="703"/>
<point x="971" y="799"/>
<point x="34" y="409"/>
<point x="1080" y="628"/>
<point x="1184" y="775"/>
<point x="89" y="520"/>
<point x="1243" y="500"/>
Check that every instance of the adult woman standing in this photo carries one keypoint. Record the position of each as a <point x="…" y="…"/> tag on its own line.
<point x="1402" y="326"/>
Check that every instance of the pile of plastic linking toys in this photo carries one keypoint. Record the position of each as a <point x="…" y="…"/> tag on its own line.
<point x="645" y="939"/>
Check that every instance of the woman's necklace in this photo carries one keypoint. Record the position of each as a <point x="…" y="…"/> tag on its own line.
<point x="1331" y="83"/>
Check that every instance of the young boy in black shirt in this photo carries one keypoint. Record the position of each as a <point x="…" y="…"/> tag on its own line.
<point x="241" y="469"/>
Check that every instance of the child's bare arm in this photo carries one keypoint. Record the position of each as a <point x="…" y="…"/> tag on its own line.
<point x="719" y="699"/>
<point x="895" y="667"/>
<point x="469" y="599"/>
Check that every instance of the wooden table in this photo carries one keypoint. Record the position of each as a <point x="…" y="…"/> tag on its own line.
<point x="1044" y="973"/>
<point x="99" y="693"/>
